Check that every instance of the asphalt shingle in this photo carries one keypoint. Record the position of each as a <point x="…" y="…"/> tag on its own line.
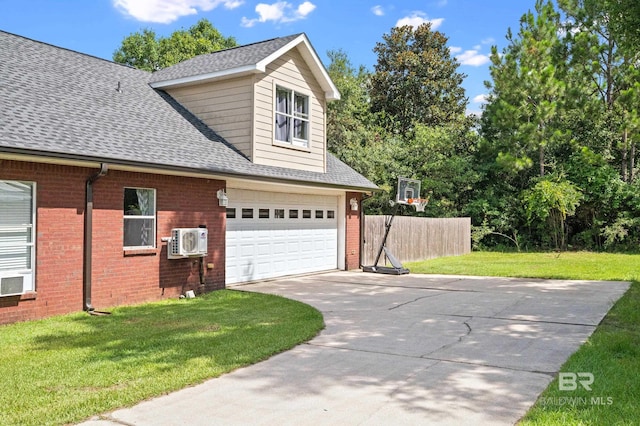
<point x="60" y="103"/>
<point x="236" y="57"/>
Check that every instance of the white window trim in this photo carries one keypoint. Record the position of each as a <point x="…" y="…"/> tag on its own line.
<point x="299" y="144"/>
<point x="154" y="217"/>
<point x="28" y="274"/>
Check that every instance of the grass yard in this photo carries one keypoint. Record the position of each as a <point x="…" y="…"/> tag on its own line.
<point x="612" y="353"/>
<point x="65" y="369"/>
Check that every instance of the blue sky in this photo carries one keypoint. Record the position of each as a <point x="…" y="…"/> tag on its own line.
<point x="97" y="27"/>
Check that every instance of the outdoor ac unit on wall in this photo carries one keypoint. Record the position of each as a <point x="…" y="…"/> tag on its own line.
<point x="11" y="286"/>
<point x="187" y="242"/>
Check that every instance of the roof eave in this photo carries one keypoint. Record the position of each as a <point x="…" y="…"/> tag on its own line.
<point x="21" y="154"/>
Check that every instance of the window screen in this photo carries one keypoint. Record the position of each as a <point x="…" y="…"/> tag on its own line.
<point x="139" y="218"/>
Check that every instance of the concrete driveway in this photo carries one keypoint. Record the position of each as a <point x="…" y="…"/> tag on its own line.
<point x="401" y="350"/>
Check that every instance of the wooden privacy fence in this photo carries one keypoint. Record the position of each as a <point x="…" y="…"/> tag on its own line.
<point x="416" y="238"/>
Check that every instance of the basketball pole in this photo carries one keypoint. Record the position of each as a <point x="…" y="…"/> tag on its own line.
<point x="386" y="233"/>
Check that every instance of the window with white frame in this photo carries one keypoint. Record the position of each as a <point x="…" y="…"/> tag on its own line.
<point x="139" y="218"/>
<point x="17" y="235"/>
<point x="292" y="117"/>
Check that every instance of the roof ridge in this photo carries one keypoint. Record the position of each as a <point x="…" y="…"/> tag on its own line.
<point x="72" y="51"/>
<point x="292" y="36"/>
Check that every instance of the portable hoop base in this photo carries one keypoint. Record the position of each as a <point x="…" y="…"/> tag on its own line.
<point x="396" y="267"/>
<point x="385" y="270"/>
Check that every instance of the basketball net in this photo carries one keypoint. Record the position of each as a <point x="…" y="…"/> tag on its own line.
<point x="418" y="203"/>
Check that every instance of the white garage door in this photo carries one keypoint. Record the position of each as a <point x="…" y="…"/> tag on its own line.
<point x="272" y="234"/>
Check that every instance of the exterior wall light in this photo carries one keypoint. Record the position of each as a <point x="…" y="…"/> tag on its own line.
<point x="354" y="204"/>
<point x="223" y="200"/>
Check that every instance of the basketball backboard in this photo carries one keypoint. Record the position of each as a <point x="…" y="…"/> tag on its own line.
<point x="407" y="189"/>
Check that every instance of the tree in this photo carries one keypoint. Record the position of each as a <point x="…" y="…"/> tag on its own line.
<point x="565" y="97"/>
<point x="527" y="91"/>
<point x="145" y="50"/>
<point x="348" y="118"/>
<point x="602" y="196"/>
<point x="442" y="157"/>
<point x="609" y="73"/>
<point x="140" y="50"/>
<point x="352" y="133"/>
<point x="416" y="80"/>
<point x="553" y="199"/>
<point x="624" y="16"/>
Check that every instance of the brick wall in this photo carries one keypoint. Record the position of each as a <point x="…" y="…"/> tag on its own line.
<point x="118" y="277"/>
<point x="352" y="229"/>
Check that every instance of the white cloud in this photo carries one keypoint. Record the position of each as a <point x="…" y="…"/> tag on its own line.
<point x="473" y="58"/>
<point x="377" y="10"/>
<point x="418" y="18"/>
<point x="304" y="9"/>
<point x="480" y="99"/>
<point x="167" y="11"/>
<point x="278" y="12"/>
<point x="455" y="49"/>
<point x="488" y="40"/>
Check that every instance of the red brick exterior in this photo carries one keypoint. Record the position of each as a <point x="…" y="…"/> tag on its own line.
<point x="123" y="277"/>
<point x="352" y="229"/>
<point x="118" y="277"/>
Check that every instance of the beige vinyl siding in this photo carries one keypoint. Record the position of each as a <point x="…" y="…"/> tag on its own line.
<point x="225" y="106"/>
<point x="291" y="72"/>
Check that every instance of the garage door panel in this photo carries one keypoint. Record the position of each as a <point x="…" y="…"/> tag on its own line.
<point x="279" y="248"/>
<point x="280" y="243"/>
<point x="247" y="250"/>
<point x="264" y="249"/>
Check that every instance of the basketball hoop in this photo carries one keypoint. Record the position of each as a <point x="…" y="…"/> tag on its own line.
<point x="419" y="203"/>
<point x="409" y="193"/>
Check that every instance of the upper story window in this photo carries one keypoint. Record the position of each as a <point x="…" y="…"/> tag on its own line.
<point x="292" y="117"/>
<point x="139" y="218"/>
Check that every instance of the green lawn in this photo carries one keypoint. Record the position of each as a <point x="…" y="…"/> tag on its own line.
<point x="68" y="368"/>
<point x="612" y="353"/>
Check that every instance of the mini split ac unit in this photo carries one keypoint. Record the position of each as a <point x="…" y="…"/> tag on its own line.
<point x="187" y="242"/>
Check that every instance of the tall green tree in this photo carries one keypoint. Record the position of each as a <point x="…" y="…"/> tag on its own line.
<point x="416" y="80"/>
<point x="527" y="92"/>
<point x="145" y="50"/>
<point x="349" y="118"/>
<point x="609" y="73"/>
